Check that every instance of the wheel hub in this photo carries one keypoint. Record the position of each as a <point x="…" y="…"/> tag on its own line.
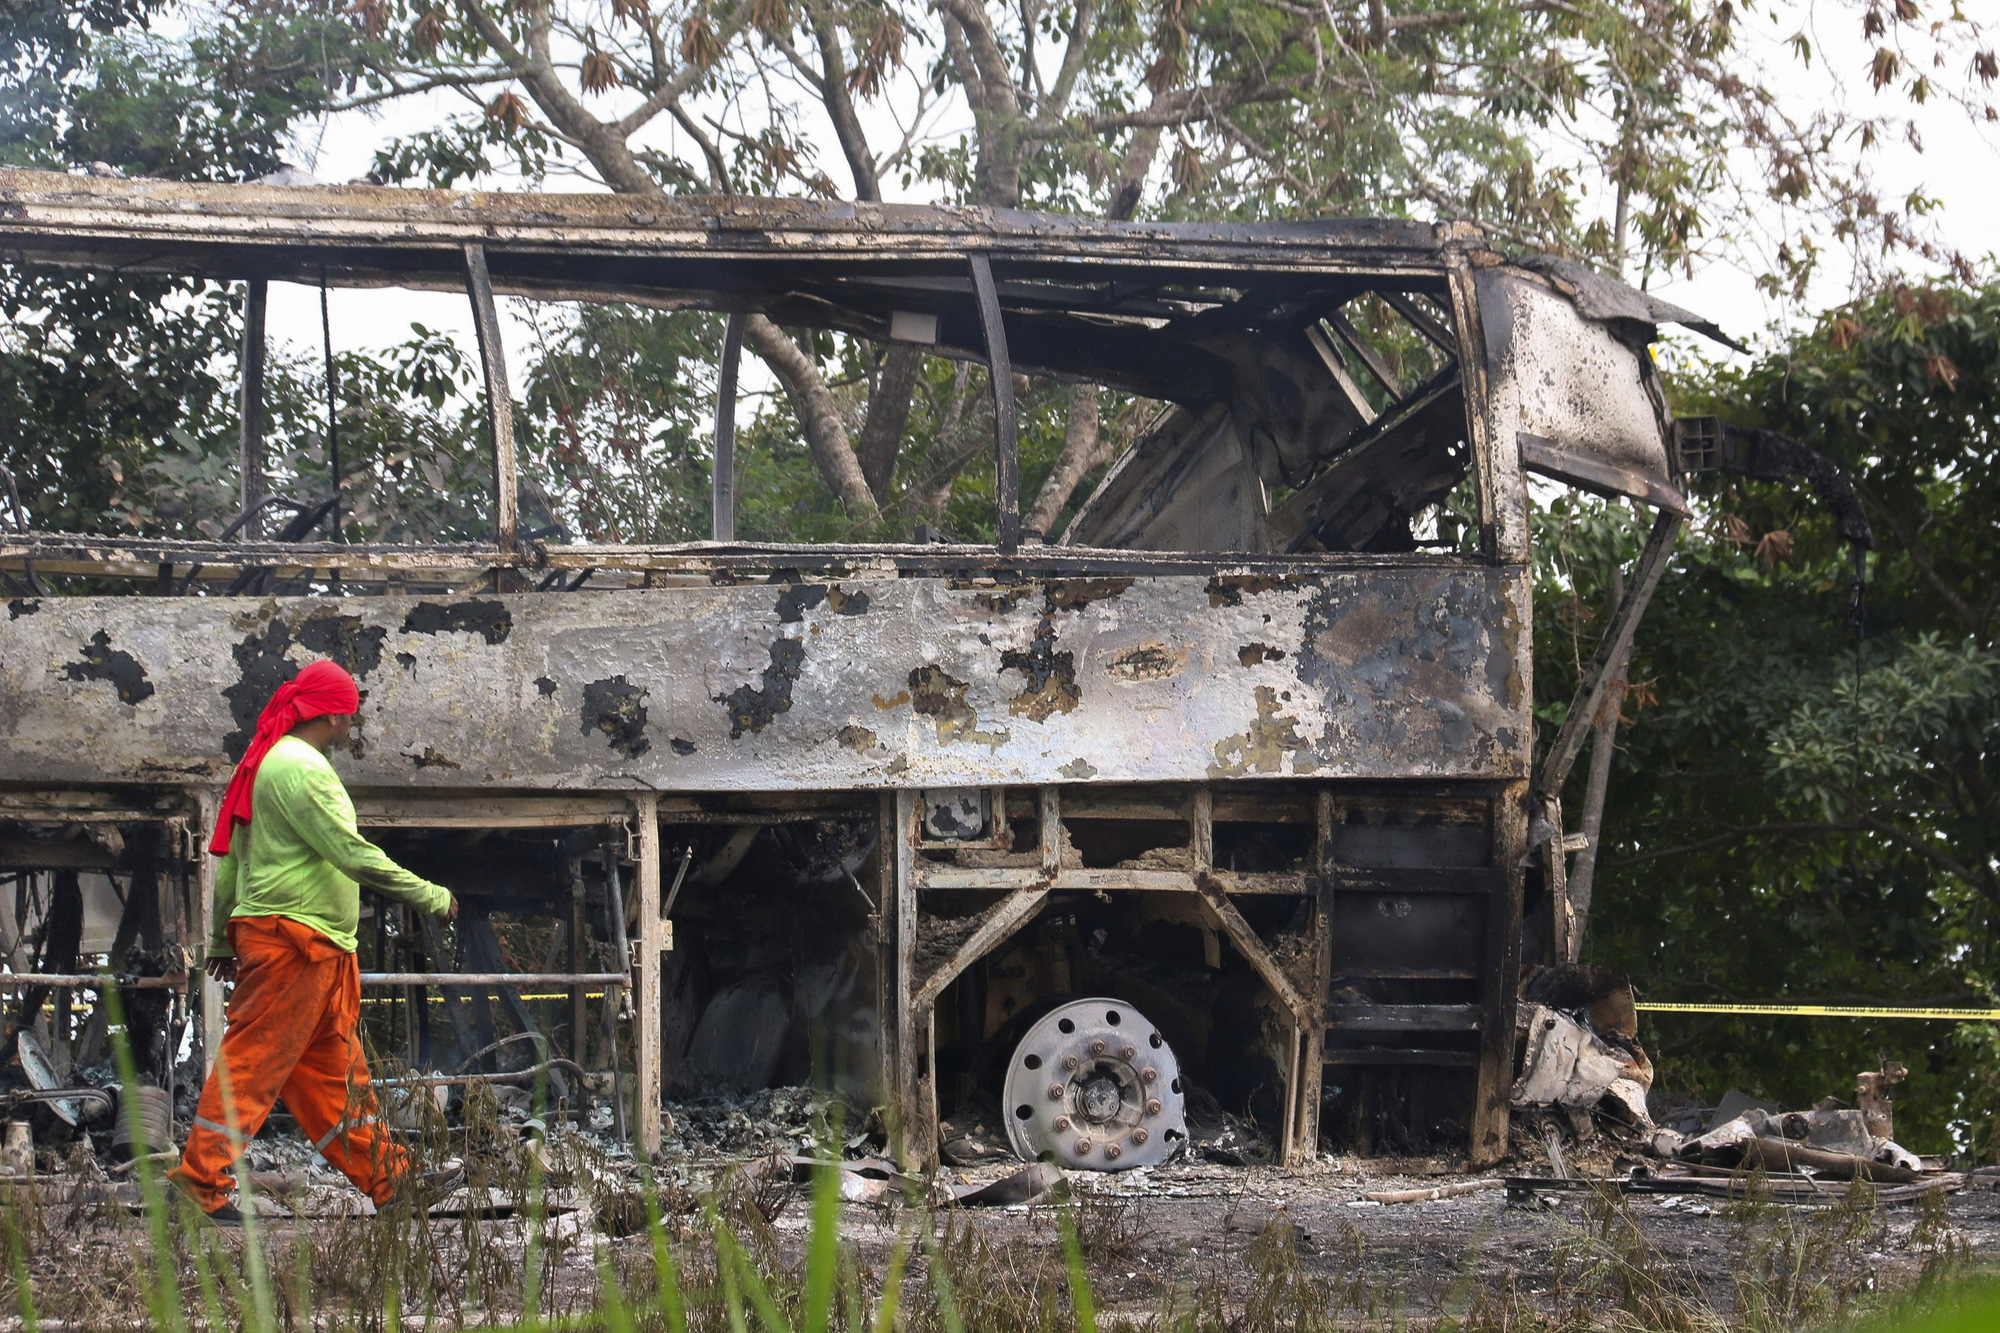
<point x="1093" y="1086"/>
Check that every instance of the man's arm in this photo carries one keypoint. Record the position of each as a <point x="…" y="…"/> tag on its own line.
<point x="227" y="872"/>
<point x="221" y="953"/>
<point x="325" y="819"/>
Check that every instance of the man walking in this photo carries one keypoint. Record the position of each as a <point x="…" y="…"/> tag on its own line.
<point x="287" y="904"/>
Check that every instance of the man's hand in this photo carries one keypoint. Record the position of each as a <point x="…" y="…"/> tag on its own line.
<point x="451" y="911"/>
<point x="222" y="969"/>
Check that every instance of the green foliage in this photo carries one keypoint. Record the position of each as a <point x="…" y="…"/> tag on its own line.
<point x="106" y="378"/>
<point x="619" y="404"/>
<point x="1770" y="834"/>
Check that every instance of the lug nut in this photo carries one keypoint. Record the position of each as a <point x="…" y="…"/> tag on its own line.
<point x="1081" y="1147"/>
<point x="1149" y="1076"/>
<point x="1153" y="1106"/>
<point x="1139" y="1136"/>
<point x="1055" y="1092"/>
<point x="1111" y="1150"/>
<point x="1097" y="1046"/>
<point x="1059" y="1124"/>
<point x="1070" y="1062"/>
<point x="1128" y="1050"/>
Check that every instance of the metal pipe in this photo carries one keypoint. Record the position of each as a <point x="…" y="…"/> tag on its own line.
<point x="505" y="1076"/>
<point x="87" y="980"/>
<point x="680" y="877"/>
<point x="251" y="437"/>
<point x="490" y="979"/>
<point x="619" y="936"/>
<point x="1006" y="421"/>
<point x="722" y="525"/>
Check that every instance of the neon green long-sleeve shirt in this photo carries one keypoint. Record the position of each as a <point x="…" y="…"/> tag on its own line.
<point x="302" y="857"/>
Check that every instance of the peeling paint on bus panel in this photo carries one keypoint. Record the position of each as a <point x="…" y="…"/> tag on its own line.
<point x="1417" y="669"/>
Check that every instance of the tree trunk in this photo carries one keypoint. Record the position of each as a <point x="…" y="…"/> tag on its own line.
<point x="1082" y="451"/>
<point x="888" y="415"/>
<point x="819" y="416"/>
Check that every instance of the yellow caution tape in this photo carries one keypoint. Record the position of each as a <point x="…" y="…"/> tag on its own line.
<point x="439" y="999"/>
<point x="1824" y="1011"/>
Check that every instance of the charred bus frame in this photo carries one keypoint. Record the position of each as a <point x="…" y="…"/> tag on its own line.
<point x="1263" y="685"/>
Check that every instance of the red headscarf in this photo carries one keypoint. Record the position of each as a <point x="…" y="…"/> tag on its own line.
<point x="320" y="689"/>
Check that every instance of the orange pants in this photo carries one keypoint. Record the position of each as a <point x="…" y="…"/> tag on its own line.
<point x="291" y="1032"/>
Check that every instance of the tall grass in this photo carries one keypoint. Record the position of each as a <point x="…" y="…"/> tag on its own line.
<point x="656" y="1257"/>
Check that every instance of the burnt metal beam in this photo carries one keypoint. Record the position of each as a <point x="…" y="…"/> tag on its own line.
<point x="1599" y="475"/>
<point x="251" y="437"/>
<point x="1247" y="942"/>
<point x="653" y="941"/>
<point x="1006" y="419"/>
<point x="88" y="981"/>
<point x="722" y="523"/>
<point x="1377" y="366"/>
<point x="1500" y="971"/>
<point x="1356" y="400"/>
<point x="999" y="922"/>
<point x="499" y="398"/>
<point x="1615" y="646"/>
<point x="1422" y="321"/>
<point x="495" y="979"/>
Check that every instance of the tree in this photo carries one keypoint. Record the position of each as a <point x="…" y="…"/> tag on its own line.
<point x="102" y="375"/>
<point x="1773" y="832"/>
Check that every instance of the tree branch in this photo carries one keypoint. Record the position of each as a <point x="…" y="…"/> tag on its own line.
<point x="840" y="107"/>
<point x="607" y="151"/>
<point x="1738" y="834"/>
<point x="683" y="79"/>
<point x="1082" y="451"/>
<point x="1920" y="556"/>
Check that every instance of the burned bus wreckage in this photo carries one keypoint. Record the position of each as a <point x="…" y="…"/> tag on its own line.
<point x="1231" y="785"/>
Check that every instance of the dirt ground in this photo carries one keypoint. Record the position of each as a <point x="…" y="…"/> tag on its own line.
<point x="1156" y="1242"/>
<point x="1160" y="1234"/>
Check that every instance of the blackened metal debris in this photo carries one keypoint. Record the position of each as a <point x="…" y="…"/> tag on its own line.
<point x="346" y="640"/>
<point x="799" y="598"/>
<point x="617" y="708"/>
<point x="1051" y="674"/>
<point x="751" y="709"/>
<point x="491" y="619"/>
<point x="937" y="694"/>
<point x="1229" y="589"/>
<point x="264" y="663"/>
<point x="1073" y="594"/>
<point x="120" y="669"/>
<point x="1147" y="661"/>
